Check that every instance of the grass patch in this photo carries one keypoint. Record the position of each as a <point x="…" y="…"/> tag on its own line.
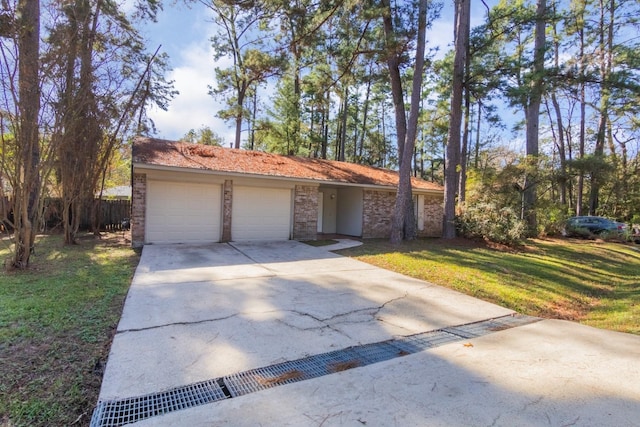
<point x="319" y="243"/>
<point x="57" y="320"/>
<point x="592" y="282"/>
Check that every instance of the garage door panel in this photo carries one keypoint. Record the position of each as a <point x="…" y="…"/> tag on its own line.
<point x="261" y="213"/>
<point x="182" y="212"/>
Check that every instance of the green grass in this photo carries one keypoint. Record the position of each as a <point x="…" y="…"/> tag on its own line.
<point x="591" y="282"/>
<point x="319" y="243"/>
<point x="56" y="324"/>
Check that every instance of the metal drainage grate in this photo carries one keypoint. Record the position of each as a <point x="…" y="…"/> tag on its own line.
<point x="120" y="412"/>
<point x="485" y="327"/>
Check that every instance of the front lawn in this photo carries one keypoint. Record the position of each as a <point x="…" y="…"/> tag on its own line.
<point x="57" y="319"/>
<point x="591" y="282"/>
<point x="56" y="324"/>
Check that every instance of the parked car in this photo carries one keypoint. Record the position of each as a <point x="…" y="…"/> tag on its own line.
<point x="582" y="226"/>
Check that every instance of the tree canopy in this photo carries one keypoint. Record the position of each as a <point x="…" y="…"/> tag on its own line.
<point x="534" y="107"/>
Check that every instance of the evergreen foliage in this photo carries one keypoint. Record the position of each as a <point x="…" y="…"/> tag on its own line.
<point x="334" y="97"/>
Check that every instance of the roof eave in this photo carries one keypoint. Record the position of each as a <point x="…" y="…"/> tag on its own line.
<point x="142" y="165"/>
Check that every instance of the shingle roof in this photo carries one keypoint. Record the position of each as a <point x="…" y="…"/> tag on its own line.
<point x="159" y="152"/>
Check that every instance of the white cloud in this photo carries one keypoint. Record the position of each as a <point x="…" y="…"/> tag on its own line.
<point x="193" y="108"/>
<point x="184" y="32"/>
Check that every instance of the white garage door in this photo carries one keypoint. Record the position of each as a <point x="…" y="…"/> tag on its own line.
<point x="182" y="212"/>
<point x="260" y="213"/>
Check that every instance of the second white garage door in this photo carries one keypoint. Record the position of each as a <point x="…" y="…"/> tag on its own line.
<point x="261" y="213"/>
<point x="182" y="212"/>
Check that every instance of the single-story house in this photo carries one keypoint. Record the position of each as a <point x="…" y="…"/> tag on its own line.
<point x="187" y="193"/>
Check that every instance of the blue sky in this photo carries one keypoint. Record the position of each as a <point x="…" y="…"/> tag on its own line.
<point x="184" y="34"/>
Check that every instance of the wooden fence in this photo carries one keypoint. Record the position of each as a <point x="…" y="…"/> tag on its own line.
<point x="114" y="215"/>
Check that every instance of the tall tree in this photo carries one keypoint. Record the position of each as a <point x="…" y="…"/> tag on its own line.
<point x="577" y="24"/>
<point x="295" y="17"/>
<point x="94" y="58"/>
<point x="403" y="223"/>
<point x="80" y="130"/>
<point x="606" y="29"/>
<point x="463" y="10"/>
<point x="28" y="138"/>
<point x="533" y="116"/>
<point x="558" y="131"/>
<point x="240" y="40"/>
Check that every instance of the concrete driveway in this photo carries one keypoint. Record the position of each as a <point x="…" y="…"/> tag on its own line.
<point x="285" y="334"/>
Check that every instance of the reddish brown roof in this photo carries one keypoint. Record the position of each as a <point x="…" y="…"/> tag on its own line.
<point x="196" y="156"/>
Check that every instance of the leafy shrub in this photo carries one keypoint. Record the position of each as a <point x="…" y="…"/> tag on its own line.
<point x="579" y="232"/>
<point x="551" y="219"/>
<point x="491" y="223"/>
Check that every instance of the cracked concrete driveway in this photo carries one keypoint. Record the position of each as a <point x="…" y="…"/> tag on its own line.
<point x="196" y="313"/>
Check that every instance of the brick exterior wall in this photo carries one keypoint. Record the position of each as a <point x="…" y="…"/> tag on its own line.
<point x="227" y="204"/>
<point x="305" y="212"/>
<point x="377" y="212"/>
<point x="433" y="214"/>
<point x="138" y="209"/>
<point x="376" y="222"/>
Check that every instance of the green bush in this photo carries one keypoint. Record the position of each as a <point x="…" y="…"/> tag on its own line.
<point x="579" y="232"/>
<point x="491" y="223"/>
<point x="551" y="219"/>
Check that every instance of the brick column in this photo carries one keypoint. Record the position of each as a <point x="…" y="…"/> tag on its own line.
<point x="227" y="204"/>
<point x="138" y="209"/>
<point x="305" y="212"/>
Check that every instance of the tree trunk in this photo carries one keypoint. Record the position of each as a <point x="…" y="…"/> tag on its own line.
<point x="365" y="115"/>
<point x="26" y="203"/>
<point x="583" y="118"/>
<point x="463" y="9"/>
<point x="561" y="150"/>
<point x="80" y="142"/>
<point x="325" y="127"/>
<point x="343" y="125"/>
<point x="397" y="92"/>
<point x="464" y="161"/>
<point x="403" y="223"/>
<point x="605" y="58"/>
<point x="533" y="120"/>
<point x="476" y="154"/>
<point x="254" y="116"/>
<point x="559" y="136"/>
<point x="238" y="136"/>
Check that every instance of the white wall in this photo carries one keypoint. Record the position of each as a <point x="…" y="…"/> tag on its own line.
<point x="349" y="218"/>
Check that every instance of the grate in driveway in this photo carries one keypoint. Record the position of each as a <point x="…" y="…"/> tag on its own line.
<point x="123" y="411"/>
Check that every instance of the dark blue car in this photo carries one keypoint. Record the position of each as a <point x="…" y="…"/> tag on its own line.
<point x="584" y="225"/>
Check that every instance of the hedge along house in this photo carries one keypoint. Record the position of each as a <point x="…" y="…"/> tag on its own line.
<point x="188" y="193"/>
